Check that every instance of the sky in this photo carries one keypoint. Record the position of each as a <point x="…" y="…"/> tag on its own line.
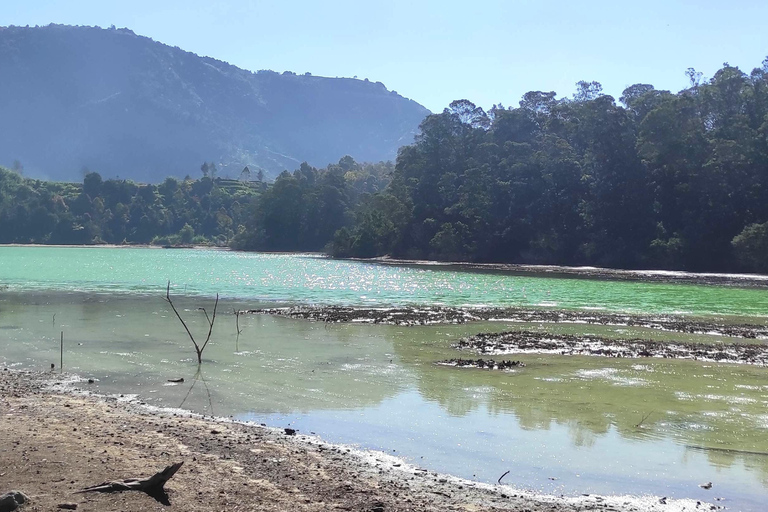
<point x="434" y="52"/>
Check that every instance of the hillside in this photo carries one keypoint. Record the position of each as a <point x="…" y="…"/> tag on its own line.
<point x="125" y="105"/>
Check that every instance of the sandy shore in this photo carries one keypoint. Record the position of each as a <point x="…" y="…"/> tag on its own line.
<point x="56" y="439"/>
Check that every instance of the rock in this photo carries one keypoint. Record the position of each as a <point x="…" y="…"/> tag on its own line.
<point x="707" y="485"/>
<point x="12" y="500"/>
<point x="67" y="506"/>
<point x="290" y="431"/>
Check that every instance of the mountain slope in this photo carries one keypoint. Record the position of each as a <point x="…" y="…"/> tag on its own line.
<point x="125" y="105"/>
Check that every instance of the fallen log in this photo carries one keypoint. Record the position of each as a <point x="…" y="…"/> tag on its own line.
<point x="154" y="485"/>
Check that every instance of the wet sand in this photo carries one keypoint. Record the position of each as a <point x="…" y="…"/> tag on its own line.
<point x="55" y="440"/>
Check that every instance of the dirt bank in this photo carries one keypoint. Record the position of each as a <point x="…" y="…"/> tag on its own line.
<point x="53" y="443"/>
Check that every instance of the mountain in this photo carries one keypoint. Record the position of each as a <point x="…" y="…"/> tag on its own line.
<point x="124" y="105"/>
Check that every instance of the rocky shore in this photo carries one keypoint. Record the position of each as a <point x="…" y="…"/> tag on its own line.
<point x="56" y="440"/>
<point x="517" y="342"/>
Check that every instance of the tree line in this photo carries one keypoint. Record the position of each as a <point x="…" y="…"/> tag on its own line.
<point x="299" y="211"/>
<point x="114" y="211"/>
<point x="659" y="180"/>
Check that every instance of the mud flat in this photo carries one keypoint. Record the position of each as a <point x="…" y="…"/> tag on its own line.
<point x="517" y="342"/>
<point x="490" y="364"/>
<point x="430" y="315"/>
<point x="56" y="439"/>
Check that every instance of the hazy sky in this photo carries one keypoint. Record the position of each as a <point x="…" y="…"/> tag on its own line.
<point x="488" y="51"/>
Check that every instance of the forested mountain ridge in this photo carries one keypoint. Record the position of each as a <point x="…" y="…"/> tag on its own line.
<point x="125" y="105"/>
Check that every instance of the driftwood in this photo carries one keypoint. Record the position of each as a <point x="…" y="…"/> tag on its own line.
<point x="154" y="485"/>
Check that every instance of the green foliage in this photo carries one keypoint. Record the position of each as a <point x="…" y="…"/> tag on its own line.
<point x="666" y="180"/>
<point x="119" y="211"/>
<point x="751" y="247"/>
<point x="303" y="210"/>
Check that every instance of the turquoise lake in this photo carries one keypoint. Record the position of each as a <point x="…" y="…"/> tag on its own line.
<point x="562" y="425"/>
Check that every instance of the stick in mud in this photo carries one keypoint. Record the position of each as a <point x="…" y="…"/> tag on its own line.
<point x="642" y="420"/>
<point x="61" y="352"/>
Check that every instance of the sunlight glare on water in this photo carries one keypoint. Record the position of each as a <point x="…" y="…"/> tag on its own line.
<point x="312" y="279"/>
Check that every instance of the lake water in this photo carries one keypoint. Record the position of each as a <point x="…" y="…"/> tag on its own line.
<point x="562" y="425"/>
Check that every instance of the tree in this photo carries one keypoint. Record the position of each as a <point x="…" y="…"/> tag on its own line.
<point x="587" y="91"/>
<point x="751" y="247"/>
<point x="186" y="234"/>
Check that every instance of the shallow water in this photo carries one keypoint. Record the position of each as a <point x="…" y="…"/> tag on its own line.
<point x="593" y="425"/>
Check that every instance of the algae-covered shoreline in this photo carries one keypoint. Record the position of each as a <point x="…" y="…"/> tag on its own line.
<point x="432" y="315"/>
<point x="56" y="439"/>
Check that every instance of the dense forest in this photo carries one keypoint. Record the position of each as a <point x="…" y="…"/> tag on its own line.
<point x="247" y="212"/>
<point x="661" y="180"/>
<point x="657" y="180"/>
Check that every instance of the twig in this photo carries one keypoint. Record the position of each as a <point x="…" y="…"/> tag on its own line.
<point x="237" y="320"/>
<point x="502" y="476"/>
<point x="643" y="419"/>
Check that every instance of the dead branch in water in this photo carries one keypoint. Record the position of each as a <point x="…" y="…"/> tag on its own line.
<point x="198" y="348"/>
<point x="502" y="476"/>
<point x="237" y="320"/>
<point x="643" y="419"/>
<point x="154" y="485"/>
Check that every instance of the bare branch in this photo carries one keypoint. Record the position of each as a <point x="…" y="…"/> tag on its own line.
<point x="206" y="315"/>
<point x="169" y="301"/>
<point x="213" y="319"/>
<point x="237" y="320"/>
